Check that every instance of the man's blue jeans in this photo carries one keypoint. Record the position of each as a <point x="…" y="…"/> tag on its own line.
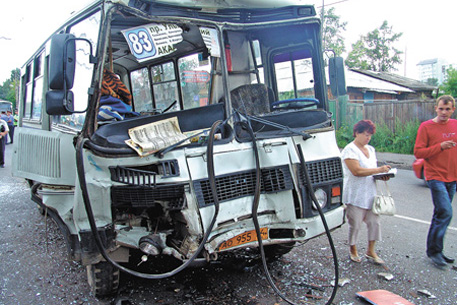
<point x="442" y="195"/>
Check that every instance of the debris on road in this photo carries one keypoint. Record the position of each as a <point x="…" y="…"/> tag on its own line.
<point x="381" y="297"/>
<point x="313" y="286"/>
<point x="426" y="293"/>
<point x="341" y="282"/>
<point x="386" y="276"/>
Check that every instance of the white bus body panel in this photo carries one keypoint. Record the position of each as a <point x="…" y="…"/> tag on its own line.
<point x="44" y="156"/>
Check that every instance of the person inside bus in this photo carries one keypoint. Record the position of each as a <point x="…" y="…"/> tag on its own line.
<point x="3" y="133"/>
<point x="359" y="189"/>
<point x="113" y="86"/>
<point x="116" y="99"/>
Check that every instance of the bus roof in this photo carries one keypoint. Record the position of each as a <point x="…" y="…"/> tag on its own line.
<point x="227" y="4"/>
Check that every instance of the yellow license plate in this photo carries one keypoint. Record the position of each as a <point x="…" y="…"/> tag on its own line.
<point x="243" y="238"/>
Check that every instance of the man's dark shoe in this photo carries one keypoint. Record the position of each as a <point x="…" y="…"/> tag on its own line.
<point x="438" y="259"/>
<point x="2" y="166"/>
<point x="448" y="259"/>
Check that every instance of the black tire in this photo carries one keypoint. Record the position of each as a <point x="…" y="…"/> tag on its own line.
<point x="103" y="279"/>
<point x="273" y="252"/>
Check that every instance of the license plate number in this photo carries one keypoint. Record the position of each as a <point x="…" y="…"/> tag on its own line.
<point x="243" y="238"/>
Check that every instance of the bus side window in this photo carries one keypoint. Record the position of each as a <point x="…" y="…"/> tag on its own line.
<point x="37" y="100"/>
<point x="28" y="91"/>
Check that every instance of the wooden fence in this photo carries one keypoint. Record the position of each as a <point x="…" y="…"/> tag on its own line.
<point x="385" y="112"/>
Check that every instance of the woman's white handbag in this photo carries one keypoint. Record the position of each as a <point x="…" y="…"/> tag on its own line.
<point x="383" y="203"/>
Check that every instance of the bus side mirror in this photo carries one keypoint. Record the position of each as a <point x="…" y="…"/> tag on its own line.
<point x="59" y="102"/>
<point x="62" y="61"/>
<point x="61" y="76"/>
<point x="336" y="75"/>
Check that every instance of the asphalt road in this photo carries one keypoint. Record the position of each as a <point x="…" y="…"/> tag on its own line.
<point x="34" y="268"/>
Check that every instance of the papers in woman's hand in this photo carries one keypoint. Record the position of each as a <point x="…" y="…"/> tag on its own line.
<point x="391" y="173"/>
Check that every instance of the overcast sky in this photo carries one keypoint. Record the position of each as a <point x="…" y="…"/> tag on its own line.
<point x="26" y="24"/>
<point x="428" y="27"/>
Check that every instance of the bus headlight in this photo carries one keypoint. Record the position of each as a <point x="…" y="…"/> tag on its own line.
<point x="321" y="197"/>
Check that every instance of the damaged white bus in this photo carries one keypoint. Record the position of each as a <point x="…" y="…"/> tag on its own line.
<point x="196" y="131"/>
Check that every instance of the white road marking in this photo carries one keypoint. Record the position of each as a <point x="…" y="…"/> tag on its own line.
<point x="421" y="221"/>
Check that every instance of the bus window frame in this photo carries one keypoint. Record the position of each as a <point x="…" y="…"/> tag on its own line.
<point x="38" y="79"/>
<point x="27" y="101"/>
<point x="181" y="79"/>
<point x="175" y="80"/>
<point x="314" y="59"/>
<point x="141" y="88"/>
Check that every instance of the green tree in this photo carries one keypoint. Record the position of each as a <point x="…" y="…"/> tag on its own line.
<point x="331" y="29"/>
<point x="450" y="84"/>
<point x="357" y="57"/>
<point x="376" y="51"/>
<point x="9" y="90"/>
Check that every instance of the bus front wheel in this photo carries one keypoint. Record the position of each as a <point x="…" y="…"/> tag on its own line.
<point x="103" y="278"/>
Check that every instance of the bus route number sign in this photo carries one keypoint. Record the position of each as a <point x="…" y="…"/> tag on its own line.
<point x="152" y="40"/>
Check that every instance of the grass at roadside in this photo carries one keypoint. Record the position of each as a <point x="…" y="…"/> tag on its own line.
<point x="400" y="141"/>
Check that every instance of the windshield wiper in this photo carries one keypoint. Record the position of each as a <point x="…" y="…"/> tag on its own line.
<point x="305" y="135"/>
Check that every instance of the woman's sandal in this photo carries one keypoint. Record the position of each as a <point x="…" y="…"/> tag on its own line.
<point x="377" y="260"/>
<point x="355" y="258"/>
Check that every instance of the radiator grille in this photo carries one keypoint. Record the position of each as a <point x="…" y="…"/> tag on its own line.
<point x="144" y="175"/>
<point x="141" y="196"/>
<point x="323" y="171"/>
<point x="132" y="176"/>
<point x="242" y="184"/>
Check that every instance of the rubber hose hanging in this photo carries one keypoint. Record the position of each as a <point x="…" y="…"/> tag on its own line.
<point x="324" y="222"/>
<point x="93" y="226"/>
<point x="255" y="206"/>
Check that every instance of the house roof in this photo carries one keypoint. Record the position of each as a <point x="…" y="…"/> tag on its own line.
<point x="428" y="62"/>
<point x="399" y="80"/>
<point x="359" y="80"/>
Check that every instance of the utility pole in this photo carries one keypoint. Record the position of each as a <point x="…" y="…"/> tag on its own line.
<point x="322" y="25"/>
<point x="404" y="73"/>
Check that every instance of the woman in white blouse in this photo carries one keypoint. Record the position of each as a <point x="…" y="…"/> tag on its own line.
<point x="359" y="189"/>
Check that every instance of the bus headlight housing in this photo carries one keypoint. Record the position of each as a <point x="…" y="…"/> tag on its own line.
<point x="321" y="197"/>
